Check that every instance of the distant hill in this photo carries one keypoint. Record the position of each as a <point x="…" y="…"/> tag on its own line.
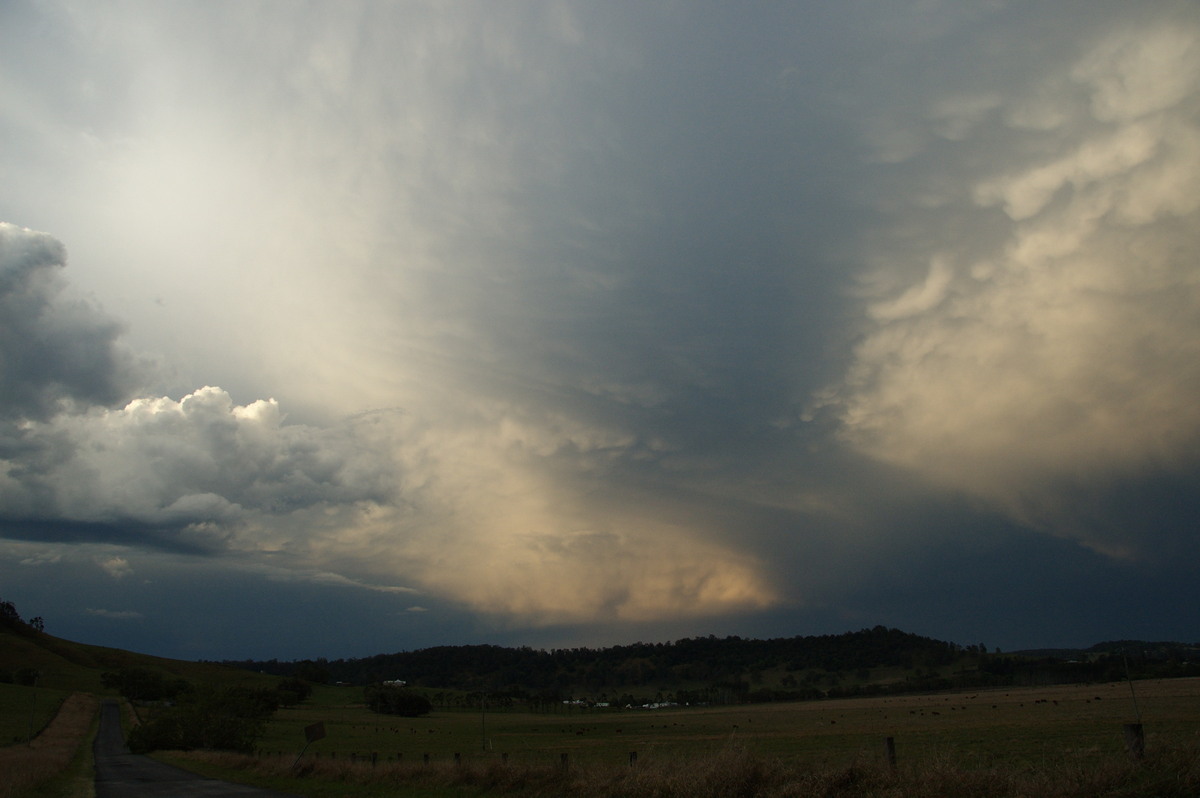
<point x="1135" y="649"/>
<point x="65" y="665"/>
<point x="702" y="669"/>
<point x="869" y="661"/>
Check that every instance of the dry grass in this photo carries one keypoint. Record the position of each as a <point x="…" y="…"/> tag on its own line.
<point x="735" y="772"/>
<point x="49" y="754"/>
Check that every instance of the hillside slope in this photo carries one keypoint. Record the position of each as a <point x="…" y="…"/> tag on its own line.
<point x="66" y="665"/>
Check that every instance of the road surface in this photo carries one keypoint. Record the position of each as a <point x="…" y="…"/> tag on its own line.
<point x="120" y="774"/>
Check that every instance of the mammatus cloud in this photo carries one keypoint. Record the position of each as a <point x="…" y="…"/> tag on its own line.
<point x="1047" y="344"/>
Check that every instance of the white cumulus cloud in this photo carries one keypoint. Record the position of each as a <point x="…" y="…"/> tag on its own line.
<point x="116" y="567"/>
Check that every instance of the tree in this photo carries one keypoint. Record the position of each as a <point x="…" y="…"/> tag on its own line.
<point x="11" y="619"/>
<point x="313" y="672"/>
<point x="139" y="684"/>
<point x="396" y="701"/>
<point x="224" y="720"/>
<point x="293" y="691"/>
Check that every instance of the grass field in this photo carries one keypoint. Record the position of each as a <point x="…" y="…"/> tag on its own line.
<point x="57" y="762"/>
<point x="1052" y="741"/>
<point x="26" y="710"/>
<point x="1011" y="726"/>
<point x="1064" y="741"/>
<point x="69" y="666"/>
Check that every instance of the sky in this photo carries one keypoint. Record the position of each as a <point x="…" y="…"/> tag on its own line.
<point x="335" y="329"/>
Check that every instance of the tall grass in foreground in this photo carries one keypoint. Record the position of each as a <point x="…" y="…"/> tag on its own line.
<point x="49" y="754"/>
<point x="732" y="773"/>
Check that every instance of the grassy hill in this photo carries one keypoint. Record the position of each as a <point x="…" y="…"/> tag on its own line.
<point x="65" y="665"/>
<point x="39" y="671"/>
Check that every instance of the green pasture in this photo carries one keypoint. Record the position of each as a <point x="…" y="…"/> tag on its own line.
<point x="980" y="728"/>
<point x="66" y="665"/>
<point x="23" y="708"/>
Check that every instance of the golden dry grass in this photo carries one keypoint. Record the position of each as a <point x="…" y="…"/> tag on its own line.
<point x="1009" y="726"/>
<point x="730" y="773"/>
<point x="1059" y="742"/>
<point x="26" y="766"/>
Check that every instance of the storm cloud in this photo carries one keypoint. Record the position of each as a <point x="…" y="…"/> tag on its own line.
<point x="56" y="352"/>
<point x="1048" y="346"/>
<point x="576" y="323"/>
<point x="78" y="464"/>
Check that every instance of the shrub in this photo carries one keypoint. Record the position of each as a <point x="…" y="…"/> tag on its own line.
<point x="139" y="684"/>
<point x="396" y="701"/>
<point x="223" y="720"/>
<point x="293" y="691"/>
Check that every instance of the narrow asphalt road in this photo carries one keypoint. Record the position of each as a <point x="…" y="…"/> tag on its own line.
<point x="120" y="774"/>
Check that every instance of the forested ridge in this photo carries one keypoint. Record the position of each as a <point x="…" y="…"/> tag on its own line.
<point x="737" y="668"/>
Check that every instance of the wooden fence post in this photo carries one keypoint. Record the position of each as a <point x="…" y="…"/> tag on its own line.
<point x="632" y="758"/>
<point x="1135" y="740"/>
<point x="889" y="752"/>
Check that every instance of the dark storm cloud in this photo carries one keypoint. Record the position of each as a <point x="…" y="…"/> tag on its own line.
<point x="54" y="351"/>
<point x="119" y="532"/>
<point x="81" y="464"/>
<point x="1031" y="315"/>
<point x="692" y="317"/>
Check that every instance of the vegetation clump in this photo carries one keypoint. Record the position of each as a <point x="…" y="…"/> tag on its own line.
<point x="389" y="700"/>
<point x="232" y="719"/>
<point x="140" y="684"/>
<point x="735" y="670"/>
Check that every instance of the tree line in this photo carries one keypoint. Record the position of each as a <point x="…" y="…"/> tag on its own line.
<point x="181" y="715"/>
<point x="708" y="659"/>
<point x="737" y="670"/>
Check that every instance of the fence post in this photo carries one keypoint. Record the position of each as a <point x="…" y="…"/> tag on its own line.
<point x="889" y="752"/>
<point x="632" y="758"/>
<point x="1135" y="740"/>
<point x="562" y="761"/>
